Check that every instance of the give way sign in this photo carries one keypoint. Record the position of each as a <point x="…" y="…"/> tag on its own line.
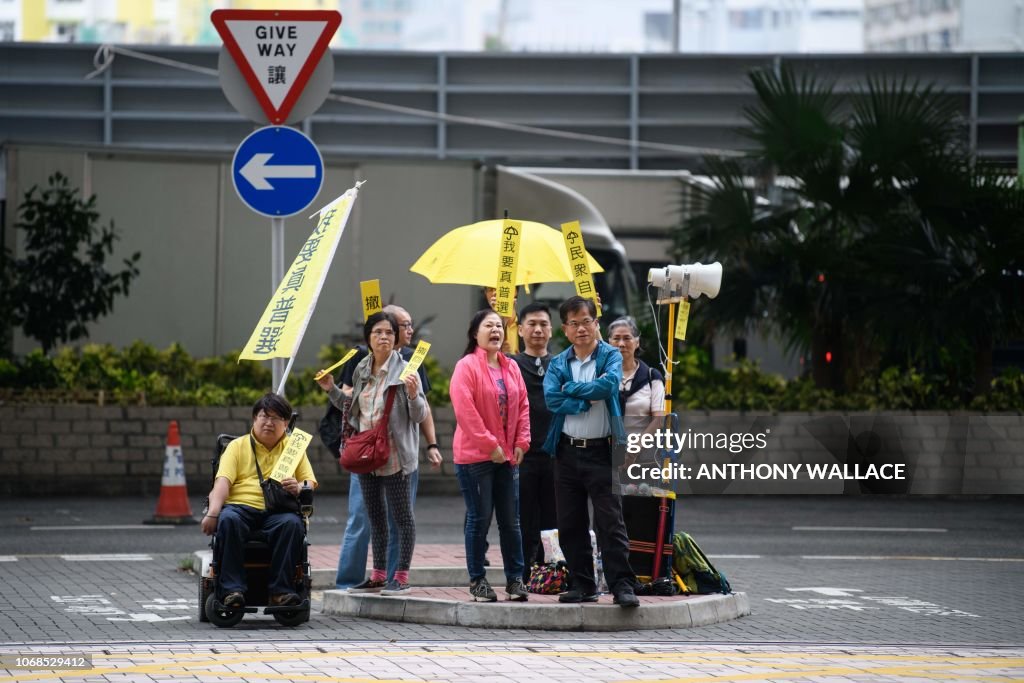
<point x="276" y="51"/>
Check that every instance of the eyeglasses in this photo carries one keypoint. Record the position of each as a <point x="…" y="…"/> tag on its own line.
<point x="407" y="325"/>
<point x="586" y="322"/>
<point x="623" y="338"/>
<point x="263" y="417"/>
<point x="382" y="333"/>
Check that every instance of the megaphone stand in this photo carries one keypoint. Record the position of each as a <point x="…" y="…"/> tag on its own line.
<point x="670" y="293"/>
<point x="665" y="295"/>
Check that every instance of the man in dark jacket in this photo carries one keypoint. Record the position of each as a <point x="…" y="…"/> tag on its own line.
<point x="537" y="472"/>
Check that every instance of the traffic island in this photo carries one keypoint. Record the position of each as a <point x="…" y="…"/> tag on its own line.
<point x="455" y="607"/>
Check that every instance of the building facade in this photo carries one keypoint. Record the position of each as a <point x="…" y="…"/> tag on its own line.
<point x="944" y="25"/>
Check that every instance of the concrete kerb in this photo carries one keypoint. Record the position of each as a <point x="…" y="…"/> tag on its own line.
<point x="657" y="613"/>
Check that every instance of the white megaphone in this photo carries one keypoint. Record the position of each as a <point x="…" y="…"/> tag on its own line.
<point x="675" y="283"/>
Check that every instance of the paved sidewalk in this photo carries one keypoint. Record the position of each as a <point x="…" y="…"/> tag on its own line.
<point x="433" y="564"/>
<point x="424" y="555"/>
<point x="527" y="662"/>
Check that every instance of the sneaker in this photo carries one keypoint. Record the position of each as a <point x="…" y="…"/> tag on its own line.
<point x="516" y="590"/>
<point x="481" y="590"/>
<point x="625" y="597"/>
<point x="234" y="600"/>
<point x="393" y="587"/>
<point x="285" y="600"/>
<point x="575" y="596"/>
<point x="368" y="586"/>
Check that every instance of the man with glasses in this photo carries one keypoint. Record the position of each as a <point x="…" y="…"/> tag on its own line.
<point x="581" y="389"/>
<point x="536" y="472"/>
<point x="237" y="506"/>
<point x="355" y="545"/>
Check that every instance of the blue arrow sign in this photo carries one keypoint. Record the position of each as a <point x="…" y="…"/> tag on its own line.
<point x="277" y="171"/>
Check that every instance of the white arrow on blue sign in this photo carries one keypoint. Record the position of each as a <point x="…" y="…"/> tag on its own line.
<point x="277" y="171"/>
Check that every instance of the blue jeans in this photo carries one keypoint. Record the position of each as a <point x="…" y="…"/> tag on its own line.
<point x="284" y="531"/>
<point x="491" y="489"/>
<point x="354" y="547"/>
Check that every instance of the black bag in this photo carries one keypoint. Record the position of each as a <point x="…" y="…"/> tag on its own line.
<point x="334" y="426"/>
<point x="275" y="498"/>
<point x="330" y="429"/>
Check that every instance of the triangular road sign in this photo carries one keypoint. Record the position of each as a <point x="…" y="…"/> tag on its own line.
<point x="276" y="51"/>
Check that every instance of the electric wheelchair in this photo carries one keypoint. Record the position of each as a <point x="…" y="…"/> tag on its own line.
<point x="256" y="561"/>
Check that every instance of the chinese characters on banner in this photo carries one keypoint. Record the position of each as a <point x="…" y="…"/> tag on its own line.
<point x="280" y="329"/>
<point x="581" y="275"/>
<point x="369" y="291"/>
<point x="417" y="359"/>
<point x="682" y="319"/>
<point x="289" y="459"/>
<point x="508" y="267"/>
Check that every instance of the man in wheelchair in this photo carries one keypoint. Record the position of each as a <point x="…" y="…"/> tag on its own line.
<point x="237" y="509"/>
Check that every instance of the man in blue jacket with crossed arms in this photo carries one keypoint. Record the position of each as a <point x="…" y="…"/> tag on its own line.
<point x="581" y="389"/>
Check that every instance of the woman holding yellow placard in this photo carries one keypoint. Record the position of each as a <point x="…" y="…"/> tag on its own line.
<point x="388" y="486"/>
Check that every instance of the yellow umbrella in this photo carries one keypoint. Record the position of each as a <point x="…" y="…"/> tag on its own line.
<point x="469" y="256"/>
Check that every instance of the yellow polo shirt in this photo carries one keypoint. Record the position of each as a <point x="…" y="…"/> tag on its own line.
<point x="238" y="466"/>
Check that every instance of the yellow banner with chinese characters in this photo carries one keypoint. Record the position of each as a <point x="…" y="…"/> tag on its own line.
<point x="682" y="319"/>
<point x="417" y="359"/>
<point x="369" y="291"/>
<point x="284" y="321"/>
<point x="508" y="268"/>
<point x="292" y="455"/>
<point x="577" y="253"/>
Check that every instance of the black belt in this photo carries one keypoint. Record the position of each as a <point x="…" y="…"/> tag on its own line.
<point x="566" y="440"/>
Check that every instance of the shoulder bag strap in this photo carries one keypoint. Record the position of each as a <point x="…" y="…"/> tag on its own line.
<point x="259" y="473"/>
<point x="382" y="426"/>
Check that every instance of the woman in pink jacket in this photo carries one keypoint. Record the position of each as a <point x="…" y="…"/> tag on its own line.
<point x="492" y="432"/>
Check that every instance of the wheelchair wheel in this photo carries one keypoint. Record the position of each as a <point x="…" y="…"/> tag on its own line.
<point x="221" y="618"/>
<point x="204" y="593"/>
<point x="292" y="618"/>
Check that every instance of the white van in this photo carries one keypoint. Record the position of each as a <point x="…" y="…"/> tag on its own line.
<point x="527" y="195"/>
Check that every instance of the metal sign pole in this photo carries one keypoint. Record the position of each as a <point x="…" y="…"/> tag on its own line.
<point x="276" y="274"/>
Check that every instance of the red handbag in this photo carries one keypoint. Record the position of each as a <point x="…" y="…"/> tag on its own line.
<point x="367" y="451"/>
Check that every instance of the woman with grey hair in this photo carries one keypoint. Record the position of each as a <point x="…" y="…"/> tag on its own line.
<point x="642" y="391"/>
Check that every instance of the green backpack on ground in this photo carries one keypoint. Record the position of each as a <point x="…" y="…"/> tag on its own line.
<point x="694" y="568"/>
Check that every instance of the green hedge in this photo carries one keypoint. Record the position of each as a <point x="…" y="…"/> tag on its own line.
<point x="143" y="375"/>
<point x="696" y="385"/>
<point x="140" y="374"/>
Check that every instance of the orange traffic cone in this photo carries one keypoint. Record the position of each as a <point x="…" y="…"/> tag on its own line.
<point x="173" y="506"/>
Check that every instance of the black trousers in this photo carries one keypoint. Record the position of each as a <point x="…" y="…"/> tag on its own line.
<point x="582" y="473"/>
<point x="536" y="504"/>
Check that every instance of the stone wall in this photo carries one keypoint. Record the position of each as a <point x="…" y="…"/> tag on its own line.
<point x="114" y="450"/>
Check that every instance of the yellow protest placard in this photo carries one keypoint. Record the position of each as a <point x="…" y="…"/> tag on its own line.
<point x="280" y="329"/>
<point x="582" y="278"/>
<point x="417" y="359"/>
<point x="292" y="455"/>
<point x="681" y="319"/>
<point x="341" y="362"/>
<point x="370" y="293"/>
<point x="508" y="268"/>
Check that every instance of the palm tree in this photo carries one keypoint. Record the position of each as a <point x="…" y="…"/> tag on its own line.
<point x="875" y="217"/>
